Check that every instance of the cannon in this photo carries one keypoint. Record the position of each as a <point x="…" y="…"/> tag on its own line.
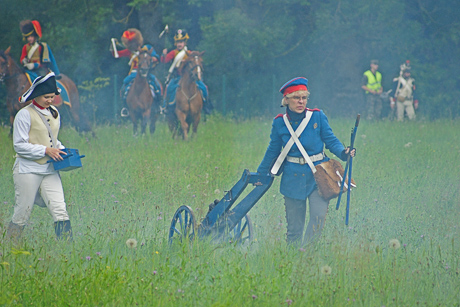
<point x="225" y="220"/>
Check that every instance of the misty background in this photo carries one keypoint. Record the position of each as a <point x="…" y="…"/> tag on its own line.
<point x="253" y="47"/>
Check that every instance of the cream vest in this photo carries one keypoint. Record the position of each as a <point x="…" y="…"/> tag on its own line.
<point x="38" y="133"/>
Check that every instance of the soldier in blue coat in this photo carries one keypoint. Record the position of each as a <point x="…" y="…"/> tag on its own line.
<point x="297" y="181"/>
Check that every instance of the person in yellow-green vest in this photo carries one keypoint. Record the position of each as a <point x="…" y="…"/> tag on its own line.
<point x="372" y="85"/>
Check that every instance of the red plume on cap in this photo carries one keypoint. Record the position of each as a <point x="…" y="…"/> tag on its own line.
<point x="37" y="28"/>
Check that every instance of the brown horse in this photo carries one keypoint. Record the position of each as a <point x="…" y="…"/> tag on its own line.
<point x="189" y="100"/>
<point x="143" y="105"/>
<point x="16" y="81"/>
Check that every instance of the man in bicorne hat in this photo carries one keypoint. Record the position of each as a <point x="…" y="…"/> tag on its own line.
<point x="36" y="56"/>
<point x="134" y="43"/>
<point x="176" y="56"/>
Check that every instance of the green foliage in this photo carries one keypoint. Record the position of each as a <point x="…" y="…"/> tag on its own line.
<point x="259" y="45"/>
<point x="130" y="188"/>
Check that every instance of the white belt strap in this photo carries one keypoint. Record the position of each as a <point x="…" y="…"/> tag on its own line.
<point x="289" y="144"/>
<point x="178" y="59"/>
<point x="299" y="145"/>
<point x="32" y="50"/>
<point x="133" y="56"/>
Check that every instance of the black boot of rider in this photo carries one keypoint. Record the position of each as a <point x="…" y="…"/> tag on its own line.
<point x="63" y="229"/>
<point x="207" y="106"/>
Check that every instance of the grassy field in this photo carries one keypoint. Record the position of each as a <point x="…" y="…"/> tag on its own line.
<point x="408" y="177"/>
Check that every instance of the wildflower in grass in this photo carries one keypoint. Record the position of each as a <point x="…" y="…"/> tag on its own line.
<point x="326" y="270"/>
<point x="4" y="264"/>
<point x="216" y="191"/>
<point x="254" y="297"/>
<point x="289" y="302"/>
<point x="408" y="145"/>
<point x="156" y="252"/>
<point x="302" y="249"/>
<point x="394" y="244"/>
<point x="98" y="253"/>
<point x="154" y="272"/>
<point x="40" y="259"/>
<point x="131" y="243"/>
<point x="88" y="258"/>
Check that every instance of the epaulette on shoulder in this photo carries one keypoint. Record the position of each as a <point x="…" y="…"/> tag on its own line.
<point x="279" y="115"/>
<point x="313" y="109"/>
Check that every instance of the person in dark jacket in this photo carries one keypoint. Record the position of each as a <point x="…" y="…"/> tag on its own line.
<point x="297" y="181"/>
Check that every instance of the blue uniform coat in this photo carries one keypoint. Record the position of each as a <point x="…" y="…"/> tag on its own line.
<point x="297" y="180"/>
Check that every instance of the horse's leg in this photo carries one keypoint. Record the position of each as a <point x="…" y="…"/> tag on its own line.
<point x="154" y="113"/>
<point x="132" y="116"/>
<point x="145" y="120"/>
<point x="183" y="123"/>
<point x="196" y="121"/>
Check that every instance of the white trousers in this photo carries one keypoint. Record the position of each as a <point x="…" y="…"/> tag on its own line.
<point x="28" y="186"/>
<point x="408" y="107"/>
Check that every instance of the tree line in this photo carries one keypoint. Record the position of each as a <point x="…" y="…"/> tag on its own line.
<point x="253" y="47"/>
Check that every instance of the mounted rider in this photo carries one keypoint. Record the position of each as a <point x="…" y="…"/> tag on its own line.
<point x="36" y="57"/>
<point x="176" y="56"/>
<point x="134" y="44"/>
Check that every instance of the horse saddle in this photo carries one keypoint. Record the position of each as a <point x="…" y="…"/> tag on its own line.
<point x="125" y="91"/>
<point x="63" y="98"/>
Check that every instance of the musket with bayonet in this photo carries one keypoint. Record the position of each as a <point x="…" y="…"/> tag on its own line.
<point x="348" y="167"/>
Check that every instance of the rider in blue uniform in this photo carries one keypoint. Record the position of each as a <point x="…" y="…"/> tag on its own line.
<point x="297" y="181"/>
<point x="134" y="42"/>
<point x="176" y="56"/>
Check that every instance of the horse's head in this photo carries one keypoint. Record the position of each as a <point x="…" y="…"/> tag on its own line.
<point x="194" y="65"/>
<point x="146" y="62"/>
<point x="4" y="64"/>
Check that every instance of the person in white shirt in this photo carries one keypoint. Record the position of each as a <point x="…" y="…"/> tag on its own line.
<point x="35" y="132"/>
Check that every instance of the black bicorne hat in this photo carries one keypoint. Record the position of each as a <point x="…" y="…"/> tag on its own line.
<point x="41" y="86"/>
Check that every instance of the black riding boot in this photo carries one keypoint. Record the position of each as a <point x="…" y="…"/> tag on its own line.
<point x="14" y="232"/>
<point x="207" y="106"/>
<point x="63" y="230"/>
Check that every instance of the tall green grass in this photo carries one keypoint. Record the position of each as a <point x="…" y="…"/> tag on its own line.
<point x="408" y="189"/>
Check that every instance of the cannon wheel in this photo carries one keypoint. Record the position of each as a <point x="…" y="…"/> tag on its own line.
<point x="182" y="224"/>
<point x="243" y="232"/>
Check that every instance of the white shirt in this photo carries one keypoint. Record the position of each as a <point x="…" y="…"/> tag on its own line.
<point x="29" y="152"/>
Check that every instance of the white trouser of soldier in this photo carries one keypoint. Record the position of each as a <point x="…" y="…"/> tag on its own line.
<point x="26" y="188"/>
<point x="405" y="106"/>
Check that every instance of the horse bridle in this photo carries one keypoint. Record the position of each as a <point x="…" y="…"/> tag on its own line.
<point x="142" y="60"/>
<point x="197" y="65"/>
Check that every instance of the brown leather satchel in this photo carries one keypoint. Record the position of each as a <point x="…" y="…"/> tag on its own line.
<point x="329" y="177"/>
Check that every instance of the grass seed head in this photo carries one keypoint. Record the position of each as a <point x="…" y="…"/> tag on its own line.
<point x="131" y="243"/>
<point x="394" y="244"/>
